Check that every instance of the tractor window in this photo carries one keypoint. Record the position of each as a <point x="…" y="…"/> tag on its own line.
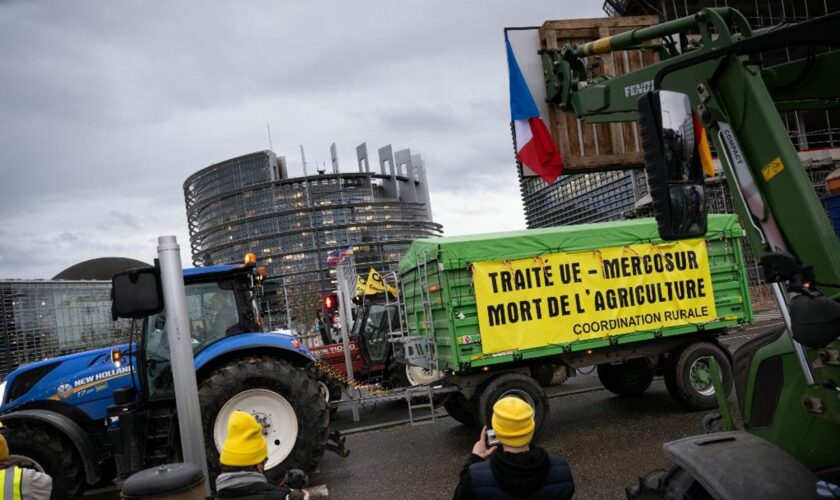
<point x="212" y="313"/>
<point x="376" y="332"/>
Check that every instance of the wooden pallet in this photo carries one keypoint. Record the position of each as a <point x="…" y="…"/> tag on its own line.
<point x="597" y="147"/>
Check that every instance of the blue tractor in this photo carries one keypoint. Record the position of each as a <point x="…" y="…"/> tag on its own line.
<point x="95" y="416"/>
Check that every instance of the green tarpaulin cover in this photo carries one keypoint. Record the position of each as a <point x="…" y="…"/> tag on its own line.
<point x="459" y="251"/>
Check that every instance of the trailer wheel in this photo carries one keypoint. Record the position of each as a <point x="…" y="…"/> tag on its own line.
<point x="550" y="374"/>
<point x="516" y="385"/>
<point x="674" y="483"/>
<point x="36" y="447"/>
<point x="688" y="378"/>
<point x="287" y="403"/>
<point x="460" y="408"/>
<point x="631" y="378"/>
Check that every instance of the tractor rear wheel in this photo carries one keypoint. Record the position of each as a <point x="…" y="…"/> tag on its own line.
<point x="36" y="447"/>
<point x="631" y="378"/>
<point x="284" y="400"/>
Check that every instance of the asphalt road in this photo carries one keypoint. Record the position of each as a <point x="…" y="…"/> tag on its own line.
<point x="609" y="441"/>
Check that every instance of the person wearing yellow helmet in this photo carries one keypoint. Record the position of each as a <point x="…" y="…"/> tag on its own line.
<point x="519" y="469"/>
<point x="243" y="455"/>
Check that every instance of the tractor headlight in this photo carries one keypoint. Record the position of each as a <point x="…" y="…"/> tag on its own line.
<point x="2" y="392"/>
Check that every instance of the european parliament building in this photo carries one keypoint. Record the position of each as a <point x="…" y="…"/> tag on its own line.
<point x="299" y="227"/>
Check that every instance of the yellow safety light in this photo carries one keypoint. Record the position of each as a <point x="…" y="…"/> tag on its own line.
<point x="250" y="259"/>
<point x="116" y="357"/>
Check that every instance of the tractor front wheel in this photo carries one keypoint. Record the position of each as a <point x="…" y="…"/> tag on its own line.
<point x="45" y="450"/>
<point x="282" y="398"/>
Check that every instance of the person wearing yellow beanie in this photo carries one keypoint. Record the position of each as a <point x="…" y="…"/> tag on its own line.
<point x="517" y="470"/>
<point x="245" y="444"/>
<point x="243" y="455"/>
<point x="24" y="483"/>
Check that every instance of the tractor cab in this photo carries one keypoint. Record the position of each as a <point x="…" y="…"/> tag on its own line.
<point x="375" y="318"/>
<point x="222" y="301"/>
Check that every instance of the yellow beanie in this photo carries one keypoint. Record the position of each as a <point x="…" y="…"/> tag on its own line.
<point x="245" y="444"/>
<point x="513" y="421"/>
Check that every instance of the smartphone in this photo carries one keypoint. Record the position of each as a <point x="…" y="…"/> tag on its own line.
<point x="492" y="440"/>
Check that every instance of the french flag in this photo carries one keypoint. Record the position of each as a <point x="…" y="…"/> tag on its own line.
<point x="535" y="147"/>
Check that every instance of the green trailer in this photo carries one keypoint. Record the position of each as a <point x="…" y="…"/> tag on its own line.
<point x="506" y="313"/>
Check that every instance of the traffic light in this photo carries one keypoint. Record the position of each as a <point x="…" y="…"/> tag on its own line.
<point x="331" y="303"/>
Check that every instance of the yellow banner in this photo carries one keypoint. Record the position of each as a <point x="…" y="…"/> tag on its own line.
<point x="373" y="284"/>
<point x="567" y="297"/>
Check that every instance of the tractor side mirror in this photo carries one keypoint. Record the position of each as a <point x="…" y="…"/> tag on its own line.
<point x="136" y="293"/>
<point x="672" y="164"/>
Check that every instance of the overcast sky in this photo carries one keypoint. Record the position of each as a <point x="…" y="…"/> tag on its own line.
<point x="107" y="107"/>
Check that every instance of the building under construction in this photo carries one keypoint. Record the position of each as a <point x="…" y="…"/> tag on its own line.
<point x="619" y="194"/>
<point x="300" y="228"/>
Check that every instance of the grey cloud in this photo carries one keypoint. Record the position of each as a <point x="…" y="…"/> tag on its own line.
<point x="110" y="107"/>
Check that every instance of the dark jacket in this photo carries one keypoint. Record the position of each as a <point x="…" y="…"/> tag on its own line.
<point x="248" y="485"/>
<point x="532" y="474"/>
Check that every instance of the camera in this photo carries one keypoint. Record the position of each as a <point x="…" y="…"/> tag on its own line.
<point x="492" y="440"/>
<point x="296" y="480"/>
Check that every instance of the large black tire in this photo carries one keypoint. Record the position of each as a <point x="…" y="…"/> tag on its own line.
<point x="513" y="384"/>
<point x="631" y="378"/>
<point x="460" y="408"/>
<point x="397" y="376"/>
<point x="674" y="483"/>
<point x="549" y="375"/>
<point x="37" y="447"/>
<point x="687" y="375"/>
<point x="277" y="380"/>
<point x="330" y="387"/>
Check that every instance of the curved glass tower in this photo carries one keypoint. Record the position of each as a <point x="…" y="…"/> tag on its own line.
<point x="300" y="227"/>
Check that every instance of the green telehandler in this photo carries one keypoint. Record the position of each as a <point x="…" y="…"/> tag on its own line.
<point x="713" y="78"/>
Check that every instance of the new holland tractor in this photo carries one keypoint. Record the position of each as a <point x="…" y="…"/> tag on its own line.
<point x="92" y="417"/>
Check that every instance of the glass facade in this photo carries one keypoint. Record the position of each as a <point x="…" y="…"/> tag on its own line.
<point x="45" y="319"/>
<point x="295" y="226"/>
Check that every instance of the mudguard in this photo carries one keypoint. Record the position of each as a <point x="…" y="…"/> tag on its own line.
<point x="276" y="340"/>
<point x="70" y="430"/>
<point x="736" y="465"/>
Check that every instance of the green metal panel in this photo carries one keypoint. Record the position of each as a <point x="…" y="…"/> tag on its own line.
<point x="448" y="276"/>
<point x="808" y="436"/>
